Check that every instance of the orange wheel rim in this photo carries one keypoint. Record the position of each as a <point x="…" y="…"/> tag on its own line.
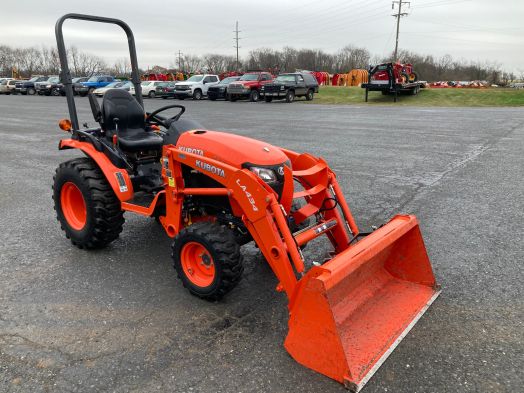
<point x="73" y="206"/>
<point x="198" y="264"/>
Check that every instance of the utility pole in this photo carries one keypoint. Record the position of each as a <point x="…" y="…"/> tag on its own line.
<point x="398" y="16"/>
<point x="236" y="43"/>
<point x="180" y="60"/>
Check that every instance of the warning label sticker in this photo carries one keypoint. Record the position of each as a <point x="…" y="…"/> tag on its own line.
<point x="121" y="182"/>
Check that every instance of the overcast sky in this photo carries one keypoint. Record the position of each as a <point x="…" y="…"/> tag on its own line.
<point x="469" y="29"/>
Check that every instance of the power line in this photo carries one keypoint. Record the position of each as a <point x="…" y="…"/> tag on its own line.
<point x="236" y="43"/>
<point x="398" y="16"/>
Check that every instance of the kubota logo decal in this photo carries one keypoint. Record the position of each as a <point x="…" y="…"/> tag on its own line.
<point x="248" y="196"/>
<point x="191" y="150"/>
<point x="210" y="168"/>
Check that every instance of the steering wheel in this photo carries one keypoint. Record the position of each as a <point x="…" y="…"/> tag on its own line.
<point x="166" y="122"/>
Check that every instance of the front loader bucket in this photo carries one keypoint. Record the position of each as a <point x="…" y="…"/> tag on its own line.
<point x="349" y="314"/>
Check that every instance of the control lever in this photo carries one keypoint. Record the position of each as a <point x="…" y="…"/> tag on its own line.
<point x="115" y="135"/>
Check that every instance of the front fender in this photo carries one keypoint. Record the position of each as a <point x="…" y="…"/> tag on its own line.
<point x="118" y="178"/>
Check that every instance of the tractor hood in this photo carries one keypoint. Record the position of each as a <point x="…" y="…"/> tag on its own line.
<point x="232" y="149"/>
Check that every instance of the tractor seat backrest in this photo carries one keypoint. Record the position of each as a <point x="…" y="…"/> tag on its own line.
<point x="118" y="103"/>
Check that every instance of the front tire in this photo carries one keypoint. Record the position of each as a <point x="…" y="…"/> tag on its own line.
<point x="197" y="95"/>
<point x="151" y="94"/>
<point x="207" y="259"/>
<point x="86" y="206"/>
<point x="290" y="96"/>
<point x="254" y="96"/>
<point x="31" y="91"/>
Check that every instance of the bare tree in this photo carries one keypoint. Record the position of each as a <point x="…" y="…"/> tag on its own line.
<point x="50" y="61"/>
<point x="28" y="61"/>
<point x="192" y="63"/>
<point x="84" y="64"/>
<point x="216" y="63"/>
<point x="122" y="67"/>
<point x="351" y="57"/>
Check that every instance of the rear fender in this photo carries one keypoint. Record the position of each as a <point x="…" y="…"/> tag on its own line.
<point x="118" y="178"/>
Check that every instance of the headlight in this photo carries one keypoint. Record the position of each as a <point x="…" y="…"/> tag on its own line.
<point x="48" y="86"/>
<point x="268" y="175"/>
<point x="282" y="87"/>
<point x="222" y="89"/>
<point x="262" y="88"/>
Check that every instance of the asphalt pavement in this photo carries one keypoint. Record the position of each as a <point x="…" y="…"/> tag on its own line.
<point x="118" y="319"/>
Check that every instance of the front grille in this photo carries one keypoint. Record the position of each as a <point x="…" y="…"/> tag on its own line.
<point x="183" y="87"/>
<point x="272" y="88"/>
<point x="236" y="88"/>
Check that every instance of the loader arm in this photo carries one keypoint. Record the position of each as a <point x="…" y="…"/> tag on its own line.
<point x="347" y="315"/>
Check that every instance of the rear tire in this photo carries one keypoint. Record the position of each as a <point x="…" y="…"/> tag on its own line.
<point x="207" y="259"/>
<point x="151" y="94"/>
<point x="86" y="206"/>
<point x="31" y="92"/>
<point x="309" y="95"/>
<point x="290" y="96"/>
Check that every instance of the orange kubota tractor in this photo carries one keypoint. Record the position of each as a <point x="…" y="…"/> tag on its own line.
<point x="213" y="191"/>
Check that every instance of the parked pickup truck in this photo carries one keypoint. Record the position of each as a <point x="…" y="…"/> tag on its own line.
<point x="48" y="87"/>
<point x="195" y="87"/>
<point x="248" y="86"/>
<point x="28" y="87"/>
<point x="220" y="90"/>
<point x="289" y="86"/>
<point x="93" y="83"/>
<point x="77" y="84"/>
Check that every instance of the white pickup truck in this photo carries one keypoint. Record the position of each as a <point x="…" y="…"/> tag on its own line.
<point x="195" y="87"/>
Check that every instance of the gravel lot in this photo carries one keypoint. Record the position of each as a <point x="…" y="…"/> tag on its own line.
<point x="119" y="320"/>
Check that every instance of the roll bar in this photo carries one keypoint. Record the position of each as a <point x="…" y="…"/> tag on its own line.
<point x="65" y="73"/>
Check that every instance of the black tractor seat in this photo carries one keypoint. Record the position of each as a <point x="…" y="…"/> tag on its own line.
<point x="120" y="109"/>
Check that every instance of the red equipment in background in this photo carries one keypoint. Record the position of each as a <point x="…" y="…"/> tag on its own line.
<point x="228" y="74"/>
<point x="402" y="73"/>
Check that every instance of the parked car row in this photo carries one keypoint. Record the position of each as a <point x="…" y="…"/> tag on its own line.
<point x="252" y="86"/>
